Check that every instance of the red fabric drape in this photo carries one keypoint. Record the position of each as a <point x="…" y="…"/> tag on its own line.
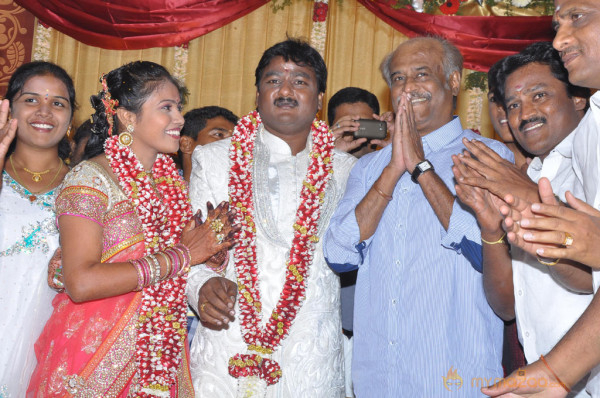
<point x="135" y="24"/>
<point x="481" y="40"/>
<point x="16" y="37"/>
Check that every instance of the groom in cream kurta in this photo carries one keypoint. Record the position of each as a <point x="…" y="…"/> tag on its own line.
<point x="289" y="94"/>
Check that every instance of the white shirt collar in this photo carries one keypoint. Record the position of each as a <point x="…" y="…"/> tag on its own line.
<point x="279" y="146"/>
<point x="564" y="149"/>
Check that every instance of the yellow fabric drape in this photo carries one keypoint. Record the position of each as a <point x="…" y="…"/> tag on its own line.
<point x="220" y="65"/>
<point x="357" y="42"/>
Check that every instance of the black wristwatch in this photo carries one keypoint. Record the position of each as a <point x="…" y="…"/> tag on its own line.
<point x="420" y="169"/>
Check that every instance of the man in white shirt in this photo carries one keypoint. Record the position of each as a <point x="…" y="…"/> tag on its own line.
<point x="271" y="318"/>
<point x="542" y="109"/>
<point x="574" y="233"/>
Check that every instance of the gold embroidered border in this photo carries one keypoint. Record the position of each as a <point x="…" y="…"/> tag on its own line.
<point x="185" y="387"/>
<point x="116" y="389"/>
<point x="82" y="201"/>
<point x="119" y="209"/>
<point x="108" y="254"/>
<point x="81" y="189"/>
<point x="117" y="343"/>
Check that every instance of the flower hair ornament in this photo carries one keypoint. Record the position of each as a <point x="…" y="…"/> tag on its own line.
<point x="110" y="105"/>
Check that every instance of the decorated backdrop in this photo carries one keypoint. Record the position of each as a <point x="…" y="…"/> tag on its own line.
<point x="214" y="45"/>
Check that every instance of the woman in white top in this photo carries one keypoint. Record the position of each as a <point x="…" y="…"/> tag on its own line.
<point x="41" y="100"/>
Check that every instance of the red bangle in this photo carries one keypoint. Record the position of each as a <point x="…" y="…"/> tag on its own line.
<point x="567" y="389"/>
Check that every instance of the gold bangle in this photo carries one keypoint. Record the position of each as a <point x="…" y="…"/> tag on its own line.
<point x="501" y="240"/>
<point x="548" y="263"/>
<point x="382" y="194"/>
<point x="168" y="266"/>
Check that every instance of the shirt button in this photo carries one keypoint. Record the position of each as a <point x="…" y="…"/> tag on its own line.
<point x="520" y="292"/>
<point x="397" y="262"/>
<point x="405" y="190"/>
<point x="392" y="343"/>
<point x="526" y="334"/>
<point x="394" y="301"/>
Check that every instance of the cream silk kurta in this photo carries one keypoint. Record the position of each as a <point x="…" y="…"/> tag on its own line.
<point x="311" y="356"/>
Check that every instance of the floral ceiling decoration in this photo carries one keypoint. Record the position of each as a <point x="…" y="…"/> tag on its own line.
<point x="484" y="30"/>
<point x="41" y="48"/>
<point x="277" y="5"/>
<point x="462" y="7"/>
<point x="318" y="34"/>
<point x="181" y="60"/>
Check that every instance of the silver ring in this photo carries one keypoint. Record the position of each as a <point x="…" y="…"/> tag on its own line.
<point x="337" y="125"/>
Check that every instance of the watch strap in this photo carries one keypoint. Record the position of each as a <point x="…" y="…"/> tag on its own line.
<point x="421" y="168"/>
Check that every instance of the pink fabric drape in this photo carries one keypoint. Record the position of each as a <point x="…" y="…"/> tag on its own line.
<point x="482" y="40"/>
<point x="135" y="24"/>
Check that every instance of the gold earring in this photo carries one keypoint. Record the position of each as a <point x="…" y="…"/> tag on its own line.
<point x="125" y="138"/>
<point x="69" y="131"/>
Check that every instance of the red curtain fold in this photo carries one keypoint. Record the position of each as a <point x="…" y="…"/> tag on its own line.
<point x="135" y="24"/>
<point x="16" y="38"/>
<point x="481" y="40"/>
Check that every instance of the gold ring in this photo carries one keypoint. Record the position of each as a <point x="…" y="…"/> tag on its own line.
<point x="216" y="225"/>
<point x="220" y="238"/>
<point x="202" y="306"/>
<point x="547" y="261"/>
<point x="568" y="240"/>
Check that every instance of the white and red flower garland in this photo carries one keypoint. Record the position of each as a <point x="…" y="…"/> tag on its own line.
<point x="318" y="33"/>
<point x="162" y="324"/>
<point x="265" y="340"/>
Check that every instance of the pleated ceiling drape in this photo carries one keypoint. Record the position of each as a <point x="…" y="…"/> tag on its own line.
<point x="218" y="67"/>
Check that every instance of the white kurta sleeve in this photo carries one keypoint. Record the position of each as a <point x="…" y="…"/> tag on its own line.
<point x="206" y="188"/>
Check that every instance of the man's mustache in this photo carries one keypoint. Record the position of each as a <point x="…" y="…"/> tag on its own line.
<point x="534" y="119"/>
<point x="570" y="49"/>
<point x="416" y="95"/>
<point x="285" y="101"/>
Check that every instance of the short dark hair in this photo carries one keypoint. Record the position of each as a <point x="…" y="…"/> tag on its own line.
<point x="195" y="120"/>
<point x="131" y="85"/>
<point x="540" y="53"/>
<point x="351" y="95"/>
<point x="42" y="68"/>
<point x="299" y="52"/>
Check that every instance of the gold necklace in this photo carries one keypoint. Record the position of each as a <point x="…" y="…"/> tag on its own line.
<point x="33" y="195"/>
<point x="35" y="175"/>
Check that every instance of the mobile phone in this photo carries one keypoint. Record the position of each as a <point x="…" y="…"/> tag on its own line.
<point x="371" y="129"/>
